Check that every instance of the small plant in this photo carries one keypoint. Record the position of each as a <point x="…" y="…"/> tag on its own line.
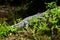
<point x="4" y="29"/>
<point x="17" y="20"/>
<point x="51" y="5"/>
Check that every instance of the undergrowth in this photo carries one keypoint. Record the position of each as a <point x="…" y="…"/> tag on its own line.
<point x="46" y="28"/>
<point x="49" y="25"/>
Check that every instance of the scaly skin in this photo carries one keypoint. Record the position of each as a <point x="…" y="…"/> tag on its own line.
<point x="25" y="22"/>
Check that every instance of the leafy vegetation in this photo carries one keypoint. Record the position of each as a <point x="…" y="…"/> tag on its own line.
<point x="51" y="5"/>
<point x="4" y="28"/>
<point x="46" y="28"/>
<point x="48" y="25"/>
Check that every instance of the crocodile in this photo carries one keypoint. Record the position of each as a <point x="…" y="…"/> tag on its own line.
<point x="25" y="20"/>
